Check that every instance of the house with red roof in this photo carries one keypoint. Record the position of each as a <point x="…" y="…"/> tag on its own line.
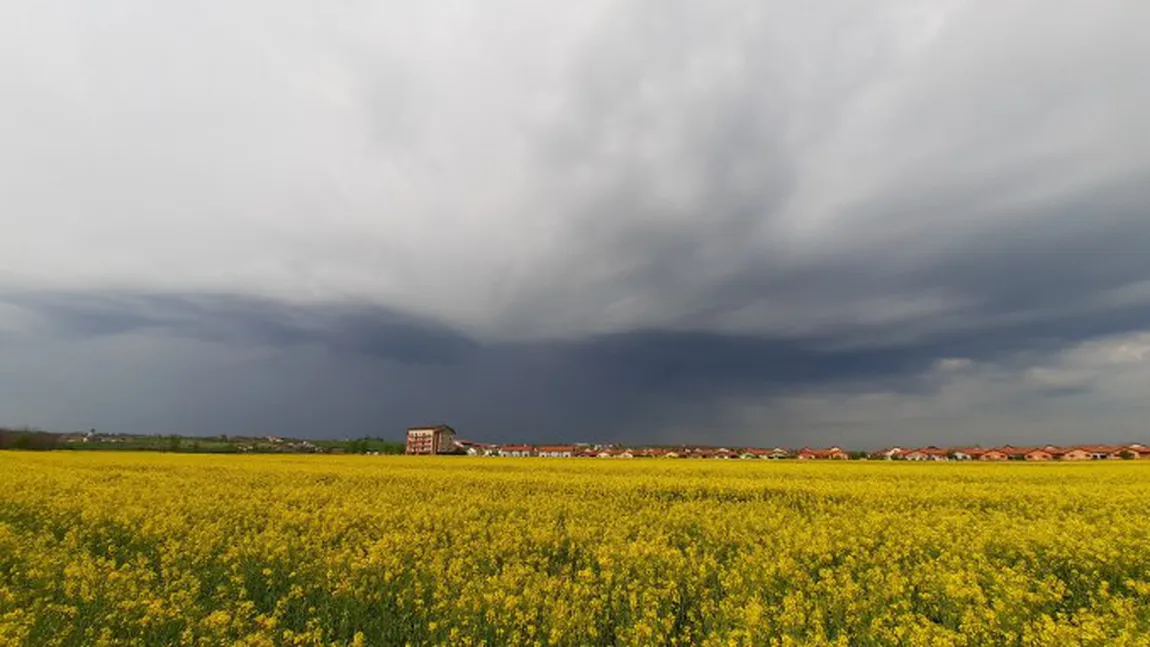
<point x="1102" y="452"/>
<point x="764" y="454"/>
<point x="1140" y="451"/>
<point x="1014" y="453"/>
<point x="832" y="453"/>
<point x="517" y="451"/>
<point x="615" y="453"/>
<point x="926" y="454"/>
<point x="1071" y="454"/>
<point x="1134" y="451"/>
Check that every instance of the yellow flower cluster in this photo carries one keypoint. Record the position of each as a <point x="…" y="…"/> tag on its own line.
<point x="169" y="549"/>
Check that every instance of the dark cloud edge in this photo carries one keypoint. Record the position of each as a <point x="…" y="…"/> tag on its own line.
<point x="649" y="357"/>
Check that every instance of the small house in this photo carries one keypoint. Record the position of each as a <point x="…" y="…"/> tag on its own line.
<point x="517" y="451"/>
<point x="833" y="453"/>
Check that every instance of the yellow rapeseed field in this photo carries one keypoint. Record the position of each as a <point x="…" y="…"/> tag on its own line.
<point x="169" y="549"/>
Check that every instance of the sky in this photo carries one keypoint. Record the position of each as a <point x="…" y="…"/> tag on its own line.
<point x="758" y="222"/>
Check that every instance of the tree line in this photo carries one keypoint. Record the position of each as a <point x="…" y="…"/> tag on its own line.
<point x="32" y="439"/>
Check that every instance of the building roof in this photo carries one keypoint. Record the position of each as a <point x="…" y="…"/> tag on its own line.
<point x="927" y="451"/>
<point x="824" y="453"/>
<point x="433" y="427"/>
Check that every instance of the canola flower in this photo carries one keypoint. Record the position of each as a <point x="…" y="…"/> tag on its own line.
<point x="168" y="549"/>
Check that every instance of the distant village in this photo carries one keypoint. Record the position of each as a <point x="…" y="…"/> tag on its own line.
<point x="32" y="439"/>
<point x="441" y="439"/>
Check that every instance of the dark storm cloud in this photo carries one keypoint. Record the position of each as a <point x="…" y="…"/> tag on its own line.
<point x="354" y="372"/>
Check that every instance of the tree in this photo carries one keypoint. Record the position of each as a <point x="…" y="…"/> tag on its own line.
<point x="1127" y="455"/>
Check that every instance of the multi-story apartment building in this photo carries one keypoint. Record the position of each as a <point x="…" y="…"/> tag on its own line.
<point x="438" y="439"/>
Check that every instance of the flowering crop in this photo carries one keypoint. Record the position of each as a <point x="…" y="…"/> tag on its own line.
<point x="160" y="549"/>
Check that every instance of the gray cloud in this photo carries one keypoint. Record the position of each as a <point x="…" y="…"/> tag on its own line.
<point x="624" y="218"/>
<point x="355" y="330"/>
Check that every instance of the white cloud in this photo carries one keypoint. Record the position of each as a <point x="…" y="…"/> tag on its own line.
<point x="952" y="364"/>
<point x="1113" y="353"/>
<point x="1058" y="378"/>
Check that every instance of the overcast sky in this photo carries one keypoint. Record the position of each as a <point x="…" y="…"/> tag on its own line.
<point x="788" y="222"/>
